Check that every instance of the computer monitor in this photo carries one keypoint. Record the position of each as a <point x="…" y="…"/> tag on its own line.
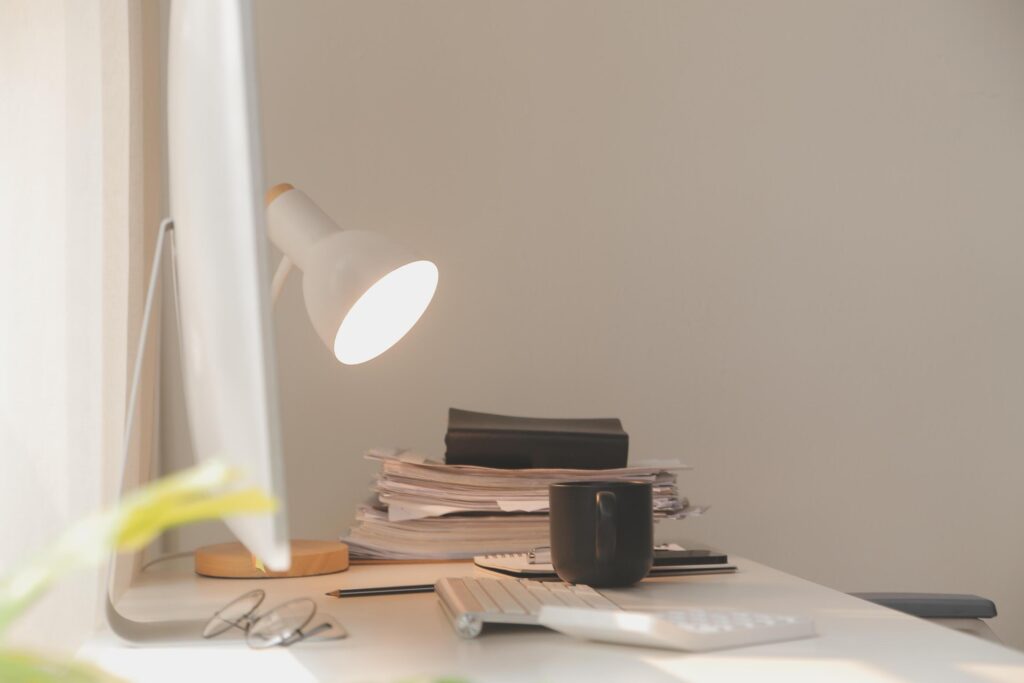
<point x="216" y="199"/>
<point x="363" y="292"/>
<point x="223" y="288"/>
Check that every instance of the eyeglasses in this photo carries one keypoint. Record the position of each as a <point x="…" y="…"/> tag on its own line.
<point x="286" y="624"/>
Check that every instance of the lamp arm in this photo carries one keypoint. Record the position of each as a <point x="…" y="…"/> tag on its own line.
<point x="283" y="270"/>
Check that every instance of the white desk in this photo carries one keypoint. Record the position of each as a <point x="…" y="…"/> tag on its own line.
<point x="407" y="636"/>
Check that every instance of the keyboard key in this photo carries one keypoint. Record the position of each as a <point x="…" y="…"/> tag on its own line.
<point x="522" y="596"/>
<point x="542" y="594"/>
<point x="566" y="595"/>
<point x="465" y="596"/>
<point x="506" y="602"/>
<point x="480" y="594"/>
<point x="594" y="599"/>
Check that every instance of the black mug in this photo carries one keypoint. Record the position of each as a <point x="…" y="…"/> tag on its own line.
<point x="602" y="532"/>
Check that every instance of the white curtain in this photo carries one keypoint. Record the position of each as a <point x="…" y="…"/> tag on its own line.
<point x="74" y="244"/>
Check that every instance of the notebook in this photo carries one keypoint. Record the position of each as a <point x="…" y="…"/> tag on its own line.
<point x="529" y="442"/>
<point x="535" y="565"/>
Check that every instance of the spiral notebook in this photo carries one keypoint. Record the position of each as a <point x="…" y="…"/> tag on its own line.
<point x="670" y="561"/>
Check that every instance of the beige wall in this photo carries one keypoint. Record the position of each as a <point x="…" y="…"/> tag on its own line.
<point x="780" y="240"/>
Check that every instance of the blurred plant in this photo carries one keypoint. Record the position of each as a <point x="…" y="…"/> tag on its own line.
<point x="200" y="493"/>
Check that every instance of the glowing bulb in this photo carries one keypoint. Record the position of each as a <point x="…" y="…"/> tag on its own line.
<point x="385" y="312"/>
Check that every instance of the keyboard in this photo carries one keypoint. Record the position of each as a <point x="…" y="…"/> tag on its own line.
<point x="692" y="630"/>
<point x="470" y="602"/>
<point x="582" y="612"/>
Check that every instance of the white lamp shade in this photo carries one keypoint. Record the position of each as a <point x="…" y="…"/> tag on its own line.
<point x="385" y="312"/>
<point x="364" y="293"/>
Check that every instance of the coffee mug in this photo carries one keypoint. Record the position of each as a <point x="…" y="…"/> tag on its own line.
<point x="602" y="532"/>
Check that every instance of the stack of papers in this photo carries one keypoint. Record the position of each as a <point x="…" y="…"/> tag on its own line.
<point x="443" y="538"/>
<point x="428" y="510"/>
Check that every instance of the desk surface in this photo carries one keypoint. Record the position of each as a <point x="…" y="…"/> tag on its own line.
<point x="408" y="637"/>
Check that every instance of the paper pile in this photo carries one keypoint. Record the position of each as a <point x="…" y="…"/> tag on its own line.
<point x="429" y="510"/>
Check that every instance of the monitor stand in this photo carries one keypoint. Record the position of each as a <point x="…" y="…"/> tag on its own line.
<point x="226" y="560"/>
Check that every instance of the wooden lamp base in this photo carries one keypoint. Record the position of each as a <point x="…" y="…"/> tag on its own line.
<point x="234" y="561"/>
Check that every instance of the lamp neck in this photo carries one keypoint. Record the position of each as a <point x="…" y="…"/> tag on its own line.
<point x="295" y="223"/>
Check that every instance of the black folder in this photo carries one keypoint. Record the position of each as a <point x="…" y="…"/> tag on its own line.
<point x="520" y="442"/>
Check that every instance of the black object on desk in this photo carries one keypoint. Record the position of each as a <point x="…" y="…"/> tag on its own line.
<point x="676" y="562"/>
<point x="934" y="605"/>
<point x="687" y="558"/>
<point x="522" y="442"/>
<point x="382" y="590"/>
<point x="602" y="532"/>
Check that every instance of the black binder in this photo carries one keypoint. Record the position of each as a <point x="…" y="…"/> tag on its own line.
<point x="520" y="442"/>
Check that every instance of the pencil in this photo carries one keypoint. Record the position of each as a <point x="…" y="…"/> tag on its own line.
<point x="382" y="590"/>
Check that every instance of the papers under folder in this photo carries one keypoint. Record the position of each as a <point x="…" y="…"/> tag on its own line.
<point x="429" y="510"/>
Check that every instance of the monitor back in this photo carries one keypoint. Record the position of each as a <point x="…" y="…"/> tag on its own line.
<point x="216" y="189"/>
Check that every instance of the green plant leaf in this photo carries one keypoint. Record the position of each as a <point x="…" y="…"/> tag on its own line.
<point x="27" y="667"/>
<point x="199" y="493"/>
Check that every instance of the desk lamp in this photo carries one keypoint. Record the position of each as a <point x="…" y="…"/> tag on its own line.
<point x="363" y="293"/>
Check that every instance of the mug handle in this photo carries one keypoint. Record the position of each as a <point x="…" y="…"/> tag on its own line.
<point x="604" y="543"/>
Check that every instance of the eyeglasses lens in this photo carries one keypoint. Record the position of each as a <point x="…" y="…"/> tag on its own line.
<point x="282" y="625"/>
<point x="233" y="614"/>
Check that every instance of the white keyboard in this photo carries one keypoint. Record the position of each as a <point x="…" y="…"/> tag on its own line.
<point x="471" y="602"/>
<point x="694" y="630"/>
<point x="582" y="612"/>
